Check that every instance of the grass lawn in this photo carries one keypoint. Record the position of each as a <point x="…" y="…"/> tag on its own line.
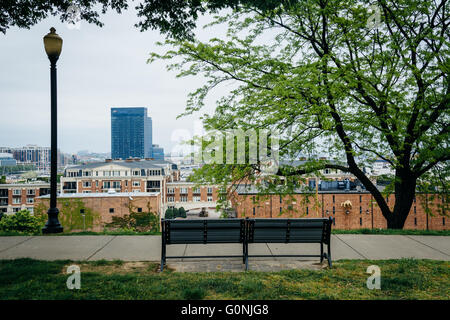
<point x="400" y="279"/>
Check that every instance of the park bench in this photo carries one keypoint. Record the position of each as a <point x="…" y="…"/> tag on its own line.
<point x="201" y="231"/>
<point x="302" y="230"/>
<point x="246" y="231"/>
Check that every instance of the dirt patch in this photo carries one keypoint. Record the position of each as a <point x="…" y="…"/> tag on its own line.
<point x="143" y="267"/>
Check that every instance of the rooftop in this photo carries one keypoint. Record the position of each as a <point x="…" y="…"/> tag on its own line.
<point x="104" y="195"/>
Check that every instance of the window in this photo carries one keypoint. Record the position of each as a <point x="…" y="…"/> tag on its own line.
<point x="17" y="192"/>
<point x="210" y="190"/>
<point x="31" y="210"/>
<point x="281" y="209"/>
<point x="415" y="221"/>
<point x="136" y="173"/>
<point x="86" y="191"/>
<point x="96" y="183"/>
<point x="307" y="210"/>
<point x="139" y="209"/>
<point x="170" y="190"/>
<point x="210" y="199"/>
<point x="196" y="199"/>
<point x="30" y="200"/>
<point x="106" y="173"/>
<point x="333" y="199"/>
<point x="183" y="190"/>
<point x="170" y="199"/>
<point x="31" y="192"/>
<point x="183" y="199"/>
<point x="443" y="221"/>
<point x="111" y="210"/>
<point x="116" y="184"/>
<point x="254" y="210"/>
<point x="116" y="173"/>
<point x="360" y="210"/>
<point x="17" y="200"/>
<point x="360" y="221"/>
<point x="415" y="210"/>
<point x="86" y="184"/>
<point x="136" y="183"/>
<point x="360" y="199"/>
<point x="126" y="183"/>
<point x="196" y="190"/>
<point x="334" y="210"/>
<point x="16" y="209"/>
<point x="106" y="184"/>
<point x="86" y="173"/>
<point x="82" y="211"/>
<point x="281" y="199"/>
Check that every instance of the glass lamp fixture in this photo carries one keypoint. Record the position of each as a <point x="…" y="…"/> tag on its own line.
<point x="53" y="44"/>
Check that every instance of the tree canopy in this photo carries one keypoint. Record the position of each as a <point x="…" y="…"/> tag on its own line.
<point x="177" y="18"/>
<point x="356" y="80"/>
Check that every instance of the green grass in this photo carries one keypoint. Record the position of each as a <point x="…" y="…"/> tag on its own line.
<point x="400" y="279"/>
<point x="394" y="232"/>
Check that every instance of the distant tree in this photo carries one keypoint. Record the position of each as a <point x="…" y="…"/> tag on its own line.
<point x="181" y="212"/>
<point x="169" y="214"/>
<point x="355" y="79"/>
<point x="3" y="180"/>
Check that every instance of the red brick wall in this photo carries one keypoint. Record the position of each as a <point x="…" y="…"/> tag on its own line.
<point x="369" y="216"/>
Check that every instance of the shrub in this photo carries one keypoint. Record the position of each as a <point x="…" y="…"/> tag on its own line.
<point x="22" y="222"/>
<point x="182" y="213"/>
<point x="169" y="214"/>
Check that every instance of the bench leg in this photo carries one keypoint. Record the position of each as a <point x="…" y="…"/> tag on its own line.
<point x="163" y="256"/>
<point x="321" y="252"/>
<point x="329" y="254"/>
<point x="246" y="257"/>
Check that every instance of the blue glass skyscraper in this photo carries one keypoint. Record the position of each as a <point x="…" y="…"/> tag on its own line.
<point x="131" y="133"/>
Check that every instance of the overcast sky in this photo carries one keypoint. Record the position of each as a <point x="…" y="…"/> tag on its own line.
<point x="99" y="68"/>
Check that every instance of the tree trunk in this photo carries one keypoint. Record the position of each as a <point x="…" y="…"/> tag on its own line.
<point x="405" y="189"/>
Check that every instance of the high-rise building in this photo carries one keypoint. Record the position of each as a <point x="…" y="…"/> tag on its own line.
<point x="158" y="152"/>
<point x="131" y="133"/>
<point x="31" y="154"/>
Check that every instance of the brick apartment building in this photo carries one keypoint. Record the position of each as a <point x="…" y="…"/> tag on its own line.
<point x="19" y="196"/>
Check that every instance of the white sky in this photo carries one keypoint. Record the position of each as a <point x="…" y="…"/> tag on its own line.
<point x="99" y="68"/>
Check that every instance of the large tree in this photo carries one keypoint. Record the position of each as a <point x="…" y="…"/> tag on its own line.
<point x="357" y="80"/>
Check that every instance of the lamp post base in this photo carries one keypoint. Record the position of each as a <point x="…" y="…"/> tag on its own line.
<point x="52" y="225"/>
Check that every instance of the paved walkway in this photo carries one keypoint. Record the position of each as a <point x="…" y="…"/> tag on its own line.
<point x="148" y="248"/>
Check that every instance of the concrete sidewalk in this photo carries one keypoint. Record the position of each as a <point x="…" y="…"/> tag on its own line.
<point x="148" y="248"/>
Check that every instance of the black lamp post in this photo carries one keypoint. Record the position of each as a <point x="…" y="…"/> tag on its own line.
<point x="53" y="46"/>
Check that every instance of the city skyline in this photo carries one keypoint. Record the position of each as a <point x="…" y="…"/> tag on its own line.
<point x="89" y="83"/>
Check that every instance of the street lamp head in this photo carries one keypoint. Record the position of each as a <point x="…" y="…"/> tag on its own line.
<point x="53" y="45"/>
